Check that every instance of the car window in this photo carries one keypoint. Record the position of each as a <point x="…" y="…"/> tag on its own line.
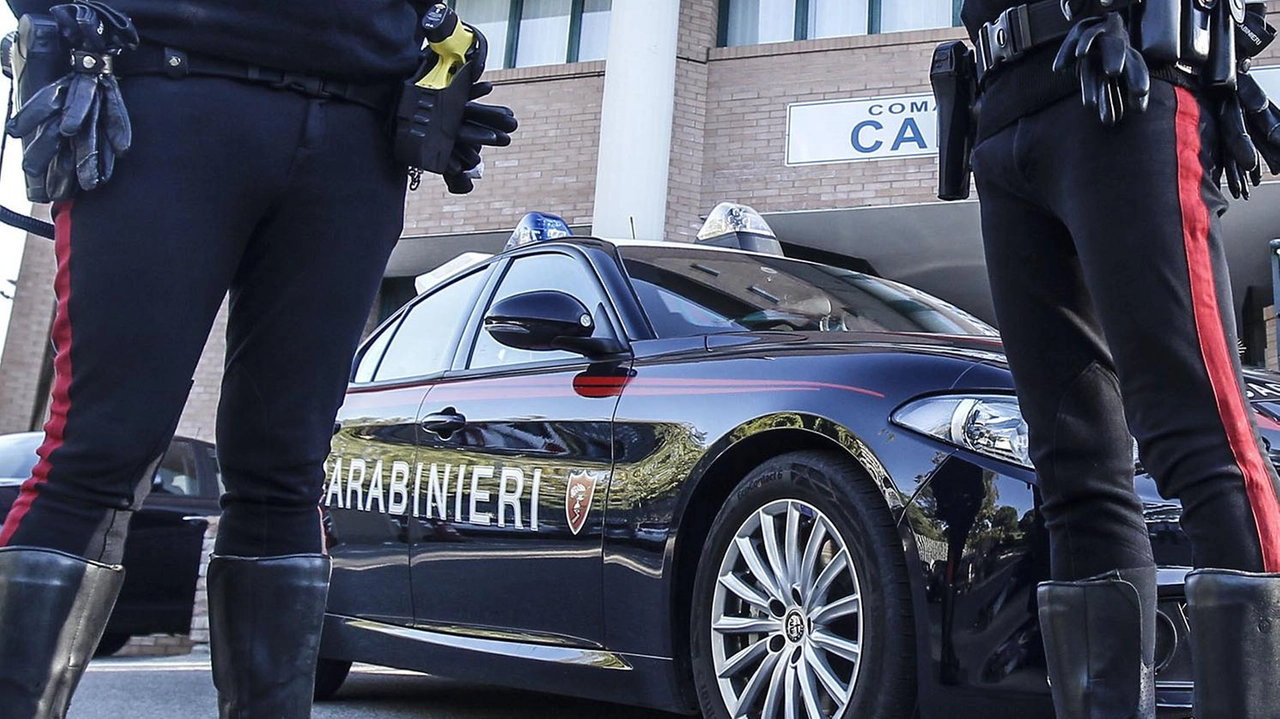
<point x="18" y="455"/>
<point x="550" y="271"/>
<point x="687" y="292"/>
<point x="423" y="343"/>
<point x="179" y="474"/>
<point x="368" y="360"/>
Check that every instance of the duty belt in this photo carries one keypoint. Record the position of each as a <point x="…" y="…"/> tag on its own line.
<point x="1023" y="28"/>
<point x="159" y="60"/>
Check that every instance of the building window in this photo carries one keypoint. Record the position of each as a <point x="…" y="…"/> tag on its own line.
<point x="754" y="22"/>
<point x="525" y="33"/>
<point x="490" y="17"/>
<point x="835" y="18"/>
<point x="594" y="37"/>
<point x="896" y="16"/>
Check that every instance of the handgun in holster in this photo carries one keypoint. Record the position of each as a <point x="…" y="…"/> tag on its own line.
<point x="34" y="56"/>
<point x="953" y="75"/>
<point x="430" y="110"/>
<point x="1196" y="35"/>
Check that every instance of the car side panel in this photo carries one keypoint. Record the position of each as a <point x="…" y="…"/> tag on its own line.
<point x="683" y="410"/>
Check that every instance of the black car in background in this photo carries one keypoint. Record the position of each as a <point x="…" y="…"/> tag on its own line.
<point x="162" y="552"/>
<point x="702" y="479"/>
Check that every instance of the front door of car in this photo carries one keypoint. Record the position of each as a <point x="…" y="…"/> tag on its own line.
<point x="518" y="451"/>
<point x="368" y="501"/>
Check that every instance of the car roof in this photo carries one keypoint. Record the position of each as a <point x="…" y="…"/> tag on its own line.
<point x="657" y="244"/>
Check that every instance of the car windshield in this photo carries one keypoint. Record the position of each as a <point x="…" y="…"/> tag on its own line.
<point x="18" y="455"/>
<point x="692" y="291"/>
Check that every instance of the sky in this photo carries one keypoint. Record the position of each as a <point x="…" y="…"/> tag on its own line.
<point x="13" y="196"/>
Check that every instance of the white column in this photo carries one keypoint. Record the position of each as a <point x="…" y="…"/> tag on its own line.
<point x="635" y="120"/>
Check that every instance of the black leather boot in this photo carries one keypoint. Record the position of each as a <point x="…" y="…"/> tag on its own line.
<point x="53" y="608"/>
<point x="265" y="616"/>
<point x="1235" y="643"/>
<point x="1099" y="640"/>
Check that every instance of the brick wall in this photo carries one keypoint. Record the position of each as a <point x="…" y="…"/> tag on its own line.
<point x="202" y="404"/>
<point x="27" y="344"/>
<point x="550" y="165"/>
<point x="749" y="90"/>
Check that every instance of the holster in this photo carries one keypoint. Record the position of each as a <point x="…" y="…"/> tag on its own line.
<point x="39" y="55"/>
<point x="427" y="122"/>
<point x="428" y="115"/>
<point x="1198" y="35"/>
<point x="953" y="75"/>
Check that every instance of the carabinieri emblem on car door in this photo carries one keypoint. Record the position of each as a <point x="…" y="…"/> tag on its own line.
<point x="577" y="498"/>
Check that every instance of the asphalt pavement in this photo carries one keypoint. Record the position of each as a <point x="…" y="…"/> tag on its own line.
<point x="181" y="688"/>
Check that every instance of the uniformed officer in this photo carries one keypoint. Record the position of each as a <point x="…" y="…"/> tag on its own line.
<point x="1103" y="243"/>
<point x="260" y="163"/>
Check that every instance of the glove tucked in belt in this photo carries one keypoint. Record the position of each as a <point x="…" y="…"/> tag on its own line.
<point x="1113" y="76"/>
<point x="74" y="128"/>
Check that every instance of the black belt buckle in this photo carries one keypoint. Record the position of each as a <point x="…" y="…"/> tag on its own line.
<point x="305" y="84"/>
<point x="1005" y="40"/>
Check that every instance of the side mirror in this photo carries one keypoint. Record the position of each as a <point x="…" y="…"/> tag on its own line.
<point x="549" y="320"/>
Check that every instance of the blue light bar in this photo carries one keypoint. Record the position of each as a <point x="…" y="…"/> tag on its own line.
<point x="538" y="227"/>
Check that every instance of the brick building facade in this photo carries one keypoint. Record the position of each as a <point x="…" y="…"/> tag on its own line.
<point x="729" y="137"/>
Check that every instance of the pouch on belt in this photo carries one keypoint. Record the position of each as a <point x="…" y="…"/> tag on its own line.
<point x="71" y="117"/>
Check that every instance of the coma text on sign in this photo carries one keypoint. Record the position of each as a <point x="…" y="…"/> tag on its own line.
<point x="878" y="128"/>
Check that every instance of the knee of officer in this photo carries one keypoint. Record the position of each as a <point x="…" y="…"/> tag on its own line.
<point x="273" y="434"/>
<point x="110" y="462"/>
<point x="1086" y="441"/>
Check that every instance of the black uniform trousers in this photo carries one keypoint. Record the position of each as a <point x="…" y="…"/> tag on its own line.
<point x="289" y="203"/>
<point x="1110" y="284"/>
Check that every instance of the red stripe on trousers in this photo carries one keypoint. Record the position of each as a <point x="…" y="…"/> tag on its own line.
<point x="61" y="398"/>
<point x="1212" y="334"/>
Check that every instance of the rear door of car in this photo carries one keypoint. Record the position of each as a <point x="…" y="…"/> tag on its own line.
<point x="517" y="481"/>
<point x="372" y="470"/>
<point x="166" y="536"/>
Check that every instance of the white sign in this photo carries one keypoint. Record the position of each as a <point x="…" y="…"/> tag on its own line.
<point x="850" y="130"/>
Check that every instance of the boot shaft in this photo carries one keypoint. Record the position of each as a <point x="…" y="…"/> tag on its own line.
<point x="1099" y="637"/>
<point x="265" y="616"/>
<point x="53" y="610"/>
<point x="1235" y="643"/>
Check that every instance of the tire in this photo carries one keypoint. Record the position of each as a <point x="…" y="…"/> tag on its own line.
<point x="846" y="583"/>
<point x="330" y="674"/>
<point x="110" y="644"/>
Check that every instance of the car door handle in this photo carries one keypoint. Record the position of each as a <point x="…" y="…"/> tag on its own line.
<point x="444" y="423"/>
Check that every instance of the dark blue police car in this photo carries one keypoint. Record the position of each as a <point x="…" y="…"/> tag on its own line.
<point x="700" y="479"/>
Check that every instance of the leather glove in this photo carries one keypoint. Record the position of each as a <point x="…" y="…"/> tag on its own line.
<point x="74" y="128"/>
<point x="1255" y="33"/>
<point x="482" y="125"/>
<point x="1113" y="76"/>
<point x="1262" y="120"/>
<point x="1238" y="156"/>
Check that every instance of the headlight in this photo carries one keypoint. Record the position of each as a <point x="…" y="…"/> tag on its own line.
<point x="990" y="425"/>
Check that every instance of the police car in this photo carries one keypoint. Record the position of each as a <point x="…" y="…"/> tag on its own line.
<point x="697" y="478"/>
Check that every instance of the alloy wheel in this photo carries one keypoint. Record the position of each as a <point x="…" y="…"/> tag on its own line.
<point x="786" y="619"/>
